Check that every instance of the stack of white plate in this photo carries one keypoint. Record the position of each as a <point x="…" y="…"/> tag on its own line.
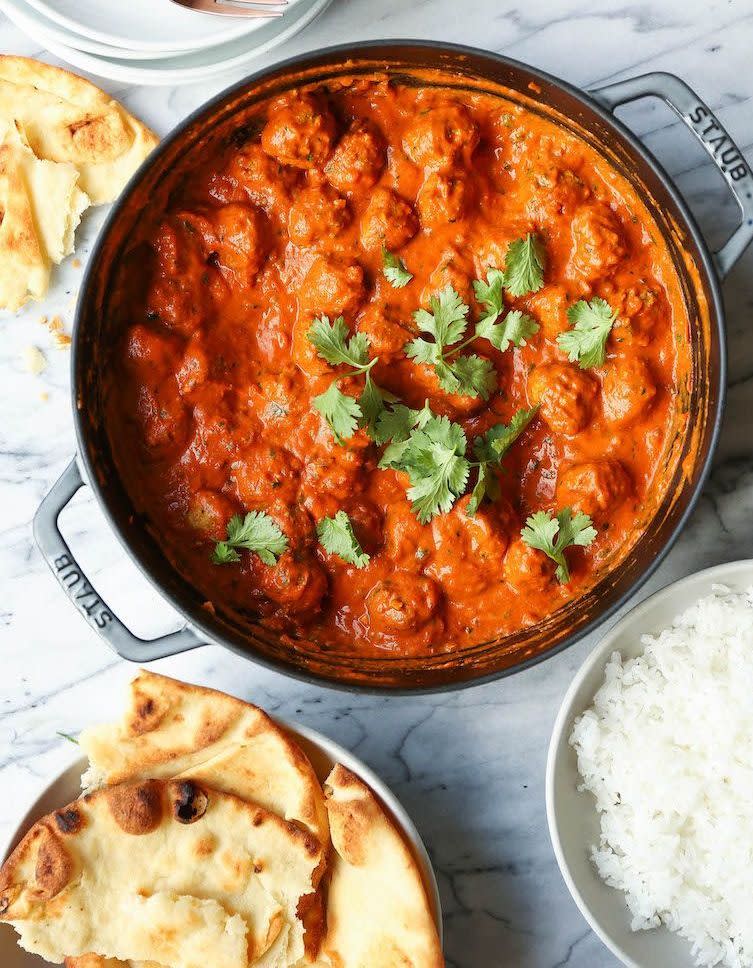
<point x="153" y="41"/>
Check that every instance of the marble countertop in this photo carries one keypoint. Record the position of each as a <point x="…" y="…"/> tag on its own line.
<point x="469" y="766"/>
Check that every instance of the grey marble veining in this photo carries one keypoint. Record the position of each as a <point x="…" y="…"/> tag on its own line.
<point x="469" y="765"/>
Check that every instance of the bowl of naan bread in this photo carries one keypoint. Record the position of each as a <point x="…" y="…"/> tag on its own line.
<point x="208" y="835"/>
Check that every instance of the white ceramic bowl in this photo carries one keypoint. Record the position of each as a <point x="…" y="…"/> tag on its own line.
<point x="170" y="69"/>
<point x="323" y="754"/>
<point x="573" y="819"/>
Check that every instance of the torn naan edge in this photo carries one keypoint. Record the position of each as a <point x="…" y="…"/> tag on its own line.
<point x="175" y="729"/>
<point x="40" y="207"/>
<point x="163" y="871"/>
<point x="68" y="119"/>
<point x="378" y="913"/>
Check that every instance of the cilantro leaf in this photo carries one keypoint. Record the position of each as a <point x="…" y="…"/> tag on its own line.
<point x="341" y="411"/>
<point x="395" y="270"/>
<point x="553" y="535"/>
<point x="515" y="328"/>
<point x="372" y="406"/>
<point x="497" y="440"/>
<point x="256" y="532"/>
<point x="475" y="376"/>
<point x="332" y="343"/>
<point x="336" y="536"/>
<point x="486" y="484"/>
<point x="224" y="554"/>
<point x="434" y="459"/>
<point x="490" y="294"/>
<point x="489" y="449"/>
<point x="422" y="351"/>
<point x="447" y="320"/>
<point x="396" y="423"/>
<point x="586" y="343"/>
<point x="524" y="265"/>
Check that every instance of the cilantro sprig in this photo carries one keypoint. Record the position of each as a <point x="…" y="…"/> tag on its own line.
<point x="515" y="328"/>
<point x="432" y="451"/>
<point x="489" y="449"/>
<point x="525" y="261"/>
<point x="553" y="535"/>
<point x="256" y="532"/>
<point x="434" y="459"/>
<point x="592" y="322"/>
<point x="394" y="269"/>
<point x="343" y="413"/>
<point x="458" y="372"/>
<point x="337" y="537"/>
<point x="468" y="375"/>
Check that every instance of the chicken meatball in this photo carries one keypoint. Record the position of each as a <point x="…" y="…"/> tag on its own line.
<point x="262" y="474"/>
<point x="209" y="513"/>
<point x="527" y="569"/>
<point x="439" y="135"/>
<point x="470" y="548"/>
<point x="597" y="243"/>
<point x="358" y="160"/>
<point x="150" y="351"/>
<point x="442" y="199"/>
<point x="177" y="296"/>
<point x="239" y="241"/>
<point x="194" y="366"/>
<point x="565" y="395"/>
<point x="317" y="216"/>
<point x="405" y="606"/>
<point x="300" y="131"/>
<point x="628" y="390"/>
<point x="388" y="222"/>
<point x="593" y="487"/>
<point x="263" y="179"/>
<point x="163" y="417"/>
<point x="332" y="288"/>
<point x="297" y="583"/>
<point x="386" y="329"/>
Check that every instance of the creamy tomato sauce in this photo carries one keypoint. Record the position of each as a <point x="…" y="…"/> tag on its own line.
<point x="210" y="407"/>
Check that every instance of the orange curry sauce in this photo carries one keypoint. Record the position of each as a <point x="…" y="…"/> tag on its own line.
<point x="211" y="407"/>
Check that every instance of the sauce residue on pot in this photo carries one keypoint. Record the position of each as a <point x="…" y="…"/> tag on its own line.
<point x="549" y="360"/>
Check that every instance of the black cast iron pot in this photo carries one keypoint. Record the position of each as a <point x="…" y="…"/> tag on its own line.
<point x="590" y="116"/>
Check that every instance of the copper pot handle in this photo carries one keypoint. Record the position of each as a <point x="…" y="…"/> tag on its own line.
<point x="80" y="591"/>
<point x="710" y="131"/>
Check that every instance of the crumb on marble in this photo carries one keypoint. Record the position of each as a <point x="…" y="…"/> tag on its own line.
<point x="35" y="362"/>
<point x="57" y="328"/>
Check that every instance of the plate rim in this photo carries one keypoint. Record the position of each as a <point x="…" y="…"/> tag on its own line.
<point x="239" y="29"/>
<point x="712" y="575"/>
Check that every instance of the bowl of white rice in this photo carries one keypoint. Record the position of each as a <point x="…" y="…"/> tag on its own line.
<point x="649" y="785"/>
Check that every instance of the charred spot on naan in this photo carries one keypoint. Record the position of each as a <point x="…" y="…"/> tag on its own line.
<point x="189" y="801"/>
<point x="54" y="866"/>
<point x="136" y="808"/>
<point x="69" y="820"/>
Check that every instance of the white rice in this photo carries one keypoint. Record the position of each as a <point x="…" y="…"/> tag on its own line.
<point x="667" y="751"/>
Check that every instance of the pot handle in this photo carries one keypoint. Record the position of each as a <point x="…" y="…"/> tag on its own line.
<point x="77" y="587"/>
<point x="710" y="131"/>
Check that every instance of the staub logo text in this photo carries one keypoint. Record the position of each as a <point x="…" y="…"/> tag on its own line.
<point x="81" y="592"/>
<point x="719" y="142"/>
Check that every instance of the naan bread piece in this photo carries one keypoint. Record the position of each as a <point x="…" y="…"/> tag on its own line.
<point x="97" y="961"/>
<point x="378" y="914"/>
<point x="40" y="206"/>
<point x="68" y="119"/>
<point x="164" y="871"/>
<point x="174" y="729"/>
